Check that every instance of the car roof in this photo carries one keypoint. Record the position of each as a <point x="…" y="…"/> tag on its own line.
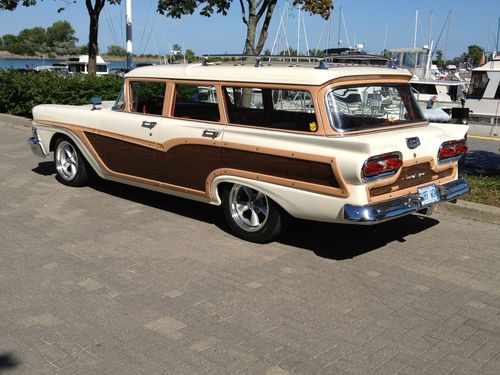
<point x="280" y="74"/>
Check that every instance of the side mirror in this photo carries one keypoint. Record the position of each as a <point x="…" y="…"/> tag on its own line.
<point x="95" y="100"/>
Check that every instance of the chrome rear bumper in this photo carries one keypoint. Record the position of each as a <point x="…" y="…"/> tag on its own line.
<point x="391" y="209"/>
<point x="37" y="147"/>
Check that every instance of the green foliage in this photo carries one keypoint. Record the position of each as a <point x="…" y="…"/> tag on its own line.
<point x="439" y="59"/>
<point x="190" y="56"/>
<point x="475" y="53"/>
<point x="58" y="39"/>
<point x="61" y="32"/>
<point x="115" y="50"/>
<point x="21" y="91"/>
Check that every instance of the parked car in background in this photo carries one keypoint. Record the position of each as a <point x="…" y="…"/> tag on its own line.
<point x="337" y="144"/>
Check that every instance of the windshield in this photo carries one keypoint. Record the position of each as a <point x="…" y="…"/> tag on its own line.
<point x="120" y="102"/>
<point x="359" y="107"/>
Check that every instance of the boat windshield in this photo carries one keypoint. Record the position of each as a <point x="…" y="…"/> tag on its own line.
<point x="358" y="107"/>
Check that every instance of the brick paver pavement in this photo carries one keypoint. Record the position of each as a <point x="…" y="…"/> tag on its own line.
<point x="112" y="279"/>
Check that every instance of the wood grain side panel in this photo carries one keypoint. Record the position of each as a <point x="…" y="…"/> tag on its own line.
<point x="126" y="157"/>
<point x="279" y="166"/>
<point x="190" y="165"/>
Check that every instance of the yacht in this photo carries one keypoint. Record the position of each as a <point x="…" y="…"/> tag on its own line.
<point x="483" y="96"/>
<point x="80" y="65"/>
<point x="427" y="80"/>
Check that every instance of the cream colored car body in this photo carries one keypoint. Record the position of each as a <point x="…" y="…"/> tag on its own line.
<point x="350" y="151"/>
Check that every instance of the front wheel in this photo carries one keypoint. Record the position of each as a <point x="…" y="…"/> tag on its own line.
<point x="71" y="166"/>
<point x="251" y="215"/>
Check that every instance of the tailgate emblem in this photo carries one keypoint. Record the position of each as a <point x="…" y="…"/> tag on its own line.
<point x="413" y="142"/>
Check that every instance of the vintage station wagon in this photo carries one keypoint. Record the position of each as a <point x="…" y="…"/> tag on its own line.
<point x="344" y="144"/>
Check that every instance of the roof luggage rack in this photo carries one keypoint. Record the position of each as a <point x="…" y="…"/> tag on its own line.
<point x="329" y="58"/>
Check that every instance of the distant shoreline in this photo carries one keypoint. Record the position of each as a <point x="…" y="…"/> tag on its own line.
<point x="10" y="56"/>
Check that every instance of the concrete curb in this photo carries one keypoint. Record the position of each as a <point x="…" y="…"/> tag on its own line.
<point x="471" y="210"/>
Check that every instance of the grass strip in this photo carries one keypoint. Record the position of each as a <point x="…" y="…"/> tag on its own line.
<point x="483" y="189"/>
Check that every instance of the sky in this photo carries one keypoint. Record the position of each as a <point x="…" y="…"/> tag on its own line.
<point x="374" y="23"/>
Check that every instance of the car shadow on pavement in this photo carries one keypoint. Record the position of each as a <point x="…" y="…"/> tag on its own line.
<point x="344" y="241"/>
<point x="327" y="240"/>
<point x="180" y="206"/>
<point x="8" y="361"/>
<point x="332" y="241"/>
<point x="45" y="168"/>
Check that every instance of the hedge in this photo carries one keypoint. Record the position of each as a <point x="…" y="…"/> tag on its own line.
<point x="21" y="90"/>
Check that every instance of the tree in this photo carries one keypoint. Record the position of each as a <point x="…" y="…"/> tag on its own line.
<point x="190" y="56"/>
<point x="94" y="10"/>
<point x="115" y="50"/>
<point x="254" y="13"/>
<point x="31" y="41"/>
<point x="61" y="32"/>
<point x="439" y="58"/>
<point x="475" y="53"/>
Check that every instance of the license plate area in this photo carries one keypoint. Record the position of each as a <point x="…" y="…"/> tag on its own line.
<point x="429" y="194"/>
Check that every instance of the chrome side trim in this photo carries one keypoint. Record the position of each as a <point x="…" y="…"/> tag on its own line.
<point x="37" y="147"/>
<point x="391" y="209"/>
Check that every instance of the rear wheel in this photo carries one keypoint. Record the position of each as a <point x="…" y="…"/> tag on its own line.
<point x="71" y="166"/>
<point x="251" y="215"/>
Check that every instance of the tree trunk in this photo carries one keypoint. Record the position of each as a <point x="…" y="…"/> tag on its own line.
<point x="93" y="44"/>
<point x="94" y="12"/>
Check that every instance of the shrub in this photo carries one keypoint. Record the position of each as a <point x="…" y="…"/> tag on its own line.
<point x="21" y="90"/>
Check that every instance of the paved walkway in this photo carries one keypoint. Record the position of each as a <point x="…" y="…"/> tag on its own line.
<point x="112" y="279"/>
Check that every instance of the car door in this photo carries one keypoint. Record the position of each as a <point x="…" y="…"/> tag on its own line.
<point x="126" y="141"/>
<point x="190" y="137"/>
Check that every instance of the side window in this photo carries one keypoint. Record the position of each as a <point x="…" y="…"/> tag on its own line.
<point x="271" y="108"/>
<point x="196" y="102"/>
<point x="147" y="97"/>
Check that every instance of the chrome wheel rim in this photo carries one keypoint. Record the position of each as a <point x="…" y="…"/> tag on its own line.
<point x="66" y="160"/>
<point x="249" y="208"/>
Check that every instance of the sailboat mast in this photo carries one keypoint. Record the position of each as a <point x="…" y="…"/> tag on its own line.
<point x="338" y="35"/>
<point x="447" y="34"/>
<point x="430" y="27"/>
<point x="498" y="34"/>
<point x="416" y="26"/>
<point x="128" y="21"/>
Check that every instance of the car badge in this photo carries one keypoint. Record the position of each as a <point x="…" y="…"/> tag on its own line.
<point x="413" y="142"/>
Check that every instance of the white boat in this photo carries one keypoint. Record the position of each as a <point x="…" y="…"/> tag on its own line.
<point x="483" y="96"/>
<point x="80" y="65"/>
<point x="56" y="67"/>
<point x="427" y="80"/>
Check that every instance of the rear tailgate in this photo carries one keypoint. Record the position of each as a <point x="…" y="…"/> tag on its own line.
<point x="419" y="147"/>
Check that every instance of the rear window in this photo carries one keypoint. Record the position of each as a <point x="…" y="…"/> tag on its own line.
<point x="284" y="109"/>
<point x="371" y="106"/>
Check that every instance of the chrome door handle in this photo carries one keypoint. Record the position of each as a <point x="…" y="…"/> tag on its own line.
<point x="210" y="133"/>
<point x="148" y="124"/>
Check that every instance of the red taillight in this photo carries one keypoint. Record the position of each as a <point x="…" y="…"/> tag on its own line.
<point x="452" y="149"/>
<point x="382" y="164"/>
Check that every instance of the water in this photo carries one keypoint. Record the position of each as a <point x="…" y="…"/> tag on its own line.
<point x="28" y="63"/>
